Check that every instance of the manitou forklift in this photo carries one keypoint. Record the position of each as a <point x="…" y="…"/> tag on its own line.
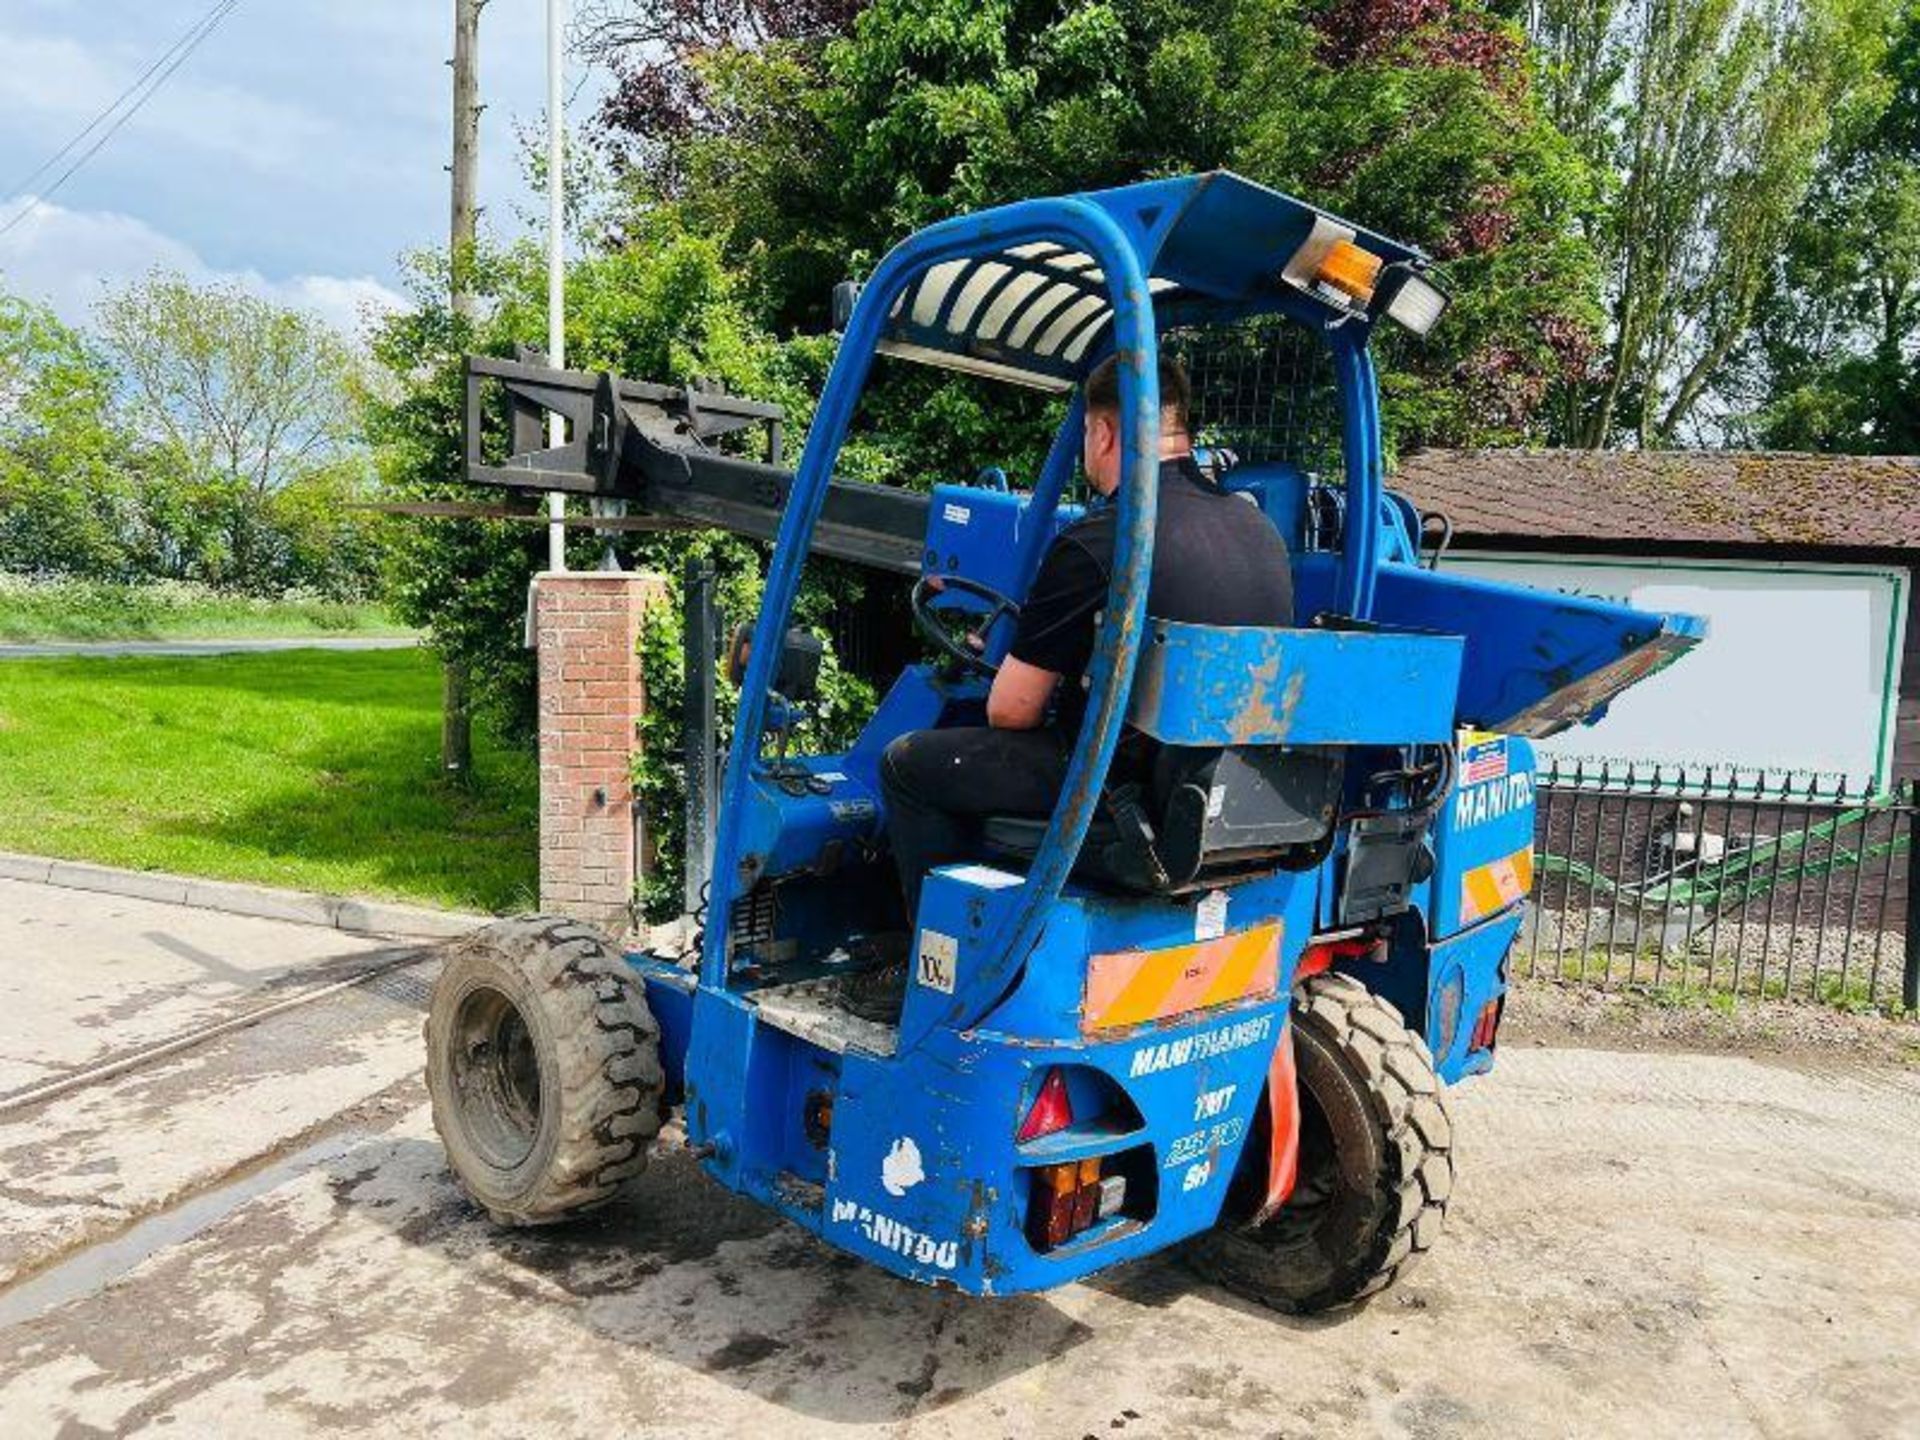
<point x="1221" y="1015"/>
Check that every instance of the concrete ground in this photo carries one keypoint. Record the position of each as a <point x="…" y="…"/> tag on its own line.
<point x="259" y="1236"/>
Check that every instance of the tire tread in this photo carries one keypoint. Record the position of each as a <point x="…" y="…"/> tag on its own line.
<point x="1393" y="1069"/>
<point x="608" y="1059"/>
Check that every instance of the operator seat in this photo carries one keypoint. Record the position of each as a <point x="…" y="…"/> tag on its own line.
<point x="1204" y="813"/>
<point x="1201" y="814"/>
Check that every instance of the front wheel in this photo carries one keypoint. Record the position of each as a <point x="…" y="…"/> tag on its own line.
<point x="543" y="1066"/>
<point x="1376" y="1163"/>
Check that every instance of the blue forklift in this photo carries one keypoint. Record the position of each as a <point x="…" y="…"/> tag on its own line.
<point x="1219" y="1013"/>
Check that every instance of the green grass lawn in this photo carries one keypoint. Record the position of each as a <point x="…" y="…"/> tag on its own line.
<point x="81" y="610"/>
<point x="312" y="769"/>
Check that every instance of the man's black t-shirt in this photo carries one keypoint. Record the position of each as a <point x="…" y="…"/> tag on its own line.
<point x="1217" y="560"/>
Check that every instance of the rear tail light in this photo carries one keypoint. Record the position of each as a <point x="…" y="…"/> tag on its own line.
<point x="1485" y="1026"/>
<point x="1086" y="1195"/>
<point x="1085" y="1109"/>
<point x="1070" y="1198"/>
<point x="1050" y="1215"/>
<point x="1052" y="1111"/>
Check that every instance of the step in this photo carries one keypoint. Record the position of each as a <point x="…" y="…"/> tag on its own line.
<point x="811" y="1009"/>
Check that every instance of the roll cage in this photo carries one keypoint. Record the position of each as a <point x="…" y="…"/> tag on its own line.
<point x="1037" y="293"/>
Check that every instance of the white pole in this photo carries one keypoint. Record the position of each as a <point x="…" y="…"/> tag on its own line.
<point x="556" y="263"/>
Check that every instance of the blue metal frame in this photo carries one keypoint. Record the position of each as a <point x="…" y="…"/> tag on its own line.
<point x="1074" y="221"/>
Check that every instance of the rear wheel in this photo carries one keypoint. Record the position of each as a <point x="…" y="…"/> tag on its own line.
<point x="543" y="1065"/>
<point x="1376" y="1164"/>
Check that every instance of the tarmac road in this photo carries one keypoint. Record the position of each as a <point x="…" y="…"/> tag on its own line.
<point x="1659" y="1244"/>
<point x="42" y="650"/>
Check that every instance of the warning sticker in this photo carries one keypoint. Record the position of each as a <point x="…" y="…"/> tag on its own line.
<point x="985" y="876"/>
<point x="1482" y="757"/>
<point x="1210" y="916"/>
<point x="939" y="961"/>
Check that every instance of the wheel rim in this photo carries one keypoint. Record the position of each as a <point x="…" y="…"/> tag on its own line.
<point x="496" y="1077"/>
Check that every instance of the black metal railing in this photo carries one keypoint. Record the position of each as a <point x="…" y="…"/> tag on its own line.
<point x="1726" y="880"/>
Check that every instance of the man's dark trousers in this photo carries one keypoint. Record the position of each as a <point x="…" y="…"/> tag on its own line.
<point x="938" y="784"/>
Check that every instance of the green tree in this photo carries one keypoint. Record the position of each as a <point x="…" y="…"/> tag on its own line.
<point x="1706" y="120"/>
<point x="812" y="156"/>
<point x="1834" y="365"/>
<point x="255" y="407"/>
<point x="63" y="481"/>
<point x="243" y="387"/>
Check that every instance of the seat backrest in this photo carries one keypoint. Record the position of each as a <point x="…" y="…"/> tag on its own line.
<point x="1280" y="491"/>
<point x="1243" y="686"/>
<point x="1226" y="808"/>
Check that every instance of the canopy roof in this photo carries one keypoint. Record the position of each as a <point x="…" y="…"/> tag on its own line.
<point x="1036" y="314"/>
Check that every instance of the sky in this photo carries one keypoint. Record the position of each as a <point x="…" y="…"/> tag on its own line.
<point x="300" y="151"/>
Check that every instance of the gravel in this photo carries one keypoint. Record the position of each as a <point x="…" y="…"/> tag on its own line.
<point x="1565" y="1013"/>
<point x="1856" y="966"/>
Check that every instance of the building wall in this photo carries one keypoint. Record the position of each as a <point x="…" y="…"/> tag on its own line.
<point x="1906" y="742"/>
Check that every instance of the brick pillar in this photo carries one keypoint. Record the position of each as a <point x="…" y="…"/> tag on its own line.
<point x="587" y="628"/>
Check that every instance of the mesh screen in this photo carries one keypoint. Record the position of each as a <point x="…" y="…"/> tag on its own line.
<point x="1264" y="390"/>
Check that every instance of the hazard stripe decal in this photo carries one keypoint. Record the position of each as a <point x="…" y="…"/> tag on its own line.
<point x="1132" y="987"/>
<point x="1495" y="885"/>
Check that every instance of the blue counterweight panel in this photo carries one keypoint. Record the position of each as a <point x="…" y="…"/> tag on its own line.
<point x="926" y="1176"/>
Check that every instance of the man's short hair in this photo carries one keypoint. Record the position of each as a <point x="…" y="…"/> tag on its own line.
<point x="1176" y="392"/>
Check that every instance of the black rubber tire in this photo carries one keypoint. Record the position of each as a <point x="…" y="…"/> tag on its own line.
<point x="1376" y="1162"/>
<point x="543" y="1066"/>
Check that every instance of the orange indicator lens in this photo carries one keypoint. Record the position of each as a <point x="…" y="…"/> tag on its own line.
<point x="1350" y="270"/>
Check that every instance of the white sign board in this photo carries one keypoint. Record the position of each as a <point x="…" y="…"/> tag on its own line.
<point x="1799" y="672"/>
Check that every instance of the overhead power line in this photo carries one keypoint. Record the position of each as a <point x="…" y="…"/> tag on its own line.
<point x="27" y="181"/>
<point x="124" y="107"/>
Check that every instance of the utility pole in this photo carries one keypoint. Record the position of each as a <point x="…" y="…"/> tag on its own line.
<point x="466" y="149"/>
<point x="456" y="710"/>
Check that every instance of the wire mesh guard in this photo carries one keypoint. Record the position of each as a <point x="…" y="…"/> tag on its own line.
<point x="1725" y="880"/>
<point x="1263" y="389"/>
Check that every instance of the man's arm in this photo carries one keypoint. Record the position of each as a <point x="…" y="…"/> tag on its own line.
<point x="1018" y="700"/>
<point x="1054" y="638"/>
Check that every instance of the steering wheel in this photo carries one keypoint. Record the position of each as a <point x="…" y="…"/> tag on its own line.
<point x="931" y="619"/>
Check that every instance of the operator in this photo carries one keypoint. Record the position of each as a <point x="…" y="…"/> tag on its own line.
<point x="1217" y="560"/>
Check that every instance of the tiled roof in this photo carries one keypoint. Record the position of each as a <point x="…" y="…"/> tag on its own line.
<point x="1701" y="496"/>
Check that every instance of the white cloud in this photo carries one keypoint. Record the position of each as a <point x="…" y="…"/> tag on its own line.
<point x="299" y="140"/>
<point x="69" y="258"/>
<point x="62" y="85"/>
<point x="345" y="301"/>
